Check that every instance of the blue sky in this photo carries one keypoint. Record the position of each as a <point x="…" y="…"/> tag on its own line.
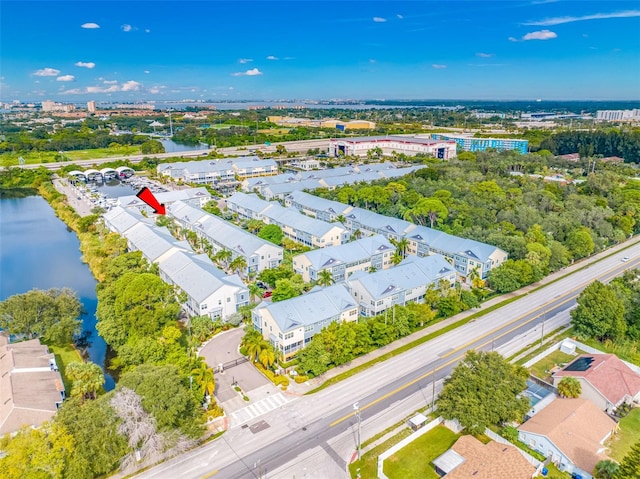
<point x="509" y="49"/>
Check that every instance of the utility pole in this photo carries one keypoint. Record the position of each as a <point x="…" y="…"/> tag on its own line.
<point x="356" y="406"/>
<point x="433" y="389"/>
<point x="544" y="317"/>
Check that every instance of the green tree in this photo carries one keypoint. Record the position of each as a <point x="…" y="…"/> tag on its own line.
<point x="238" y="265"/>
<point x="325" y="278"/>
<point x="287" y="288"/>
<point x="87" y="379"/>
<point x="484" y="389"/>
<point x="202" y="374"/>
<point x="51" y="315"/>
<point x="151" y="147"/>
<point x="267" y="356"/>
<point x="630" y="465"/>
<point x="272" y="233"/>
<point x="223" y="257"/>
<point x="606" y="469"/>
<point x="569" y="387"/>
<point x="580" y="243"/>
<point x="600" y="313"/>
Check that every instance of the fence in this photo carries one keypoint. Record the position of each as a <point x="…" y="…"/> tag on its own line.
<point x="391" y="451"/>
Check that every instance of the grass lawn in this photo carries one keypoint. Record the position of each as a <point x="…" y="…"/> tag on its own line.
<point x="65" y="355"/>
<point x="368" y="464"/>
<point x="555" y="473"/>
<point x="541" y="368"/>
<point x="35" y="157"/>
<point x="628" y="435"/>
<point x="414" y="460"/>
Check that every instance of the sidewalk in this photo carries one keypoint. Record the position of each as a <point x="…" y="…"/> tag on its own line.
<point x="299" y="389"/>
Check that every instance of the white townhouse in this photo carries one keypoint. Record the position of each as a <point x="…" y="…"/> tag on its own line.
<point x="465" y="254"/>
<point x="409" y="145"/>
<point x="193" y="196"/>
<point x="120" y="220"/>
<point x="289" y="325"/>
<point x="258" y="253"/>
<point x="405" y="283"/>
<point x="368" y="222"/>
<point x="154" y="242"/>
<point x="209" y="290"/>
<point x="278" y="191"/>
<point x="373" y="252"/>
<point x="221" y="172"/>
<point x="296" y="226"/>
<point x="252" y="166"/>
<point x="311" y="205"/>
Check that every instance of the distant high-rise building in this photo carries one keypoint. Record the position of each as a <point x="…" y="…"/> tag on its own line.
<point x="618" y="115"/>
<point x="49" y="105"/>
<point x="91" y="106"/>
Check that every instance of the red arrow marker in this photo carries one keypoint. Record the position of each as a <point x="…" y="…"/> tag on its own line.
<point x="146" y="195"/>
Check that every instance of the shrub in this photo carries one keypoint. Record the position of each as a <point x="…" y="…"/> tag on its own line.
<point x="300" y="378"/>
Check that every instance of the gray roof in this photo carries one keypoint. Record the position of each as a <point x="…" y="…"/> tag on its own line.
<point x="411" y="273"/>
<point x="153" y="241"/>
<point x="228" y="235"/>
<point x="248" y="201"/>
<point x="293" y="218"/>
<point x="381" y="222"/>
<point x="361" y="249"/>
<point x="253" y="162"/>
<point x="453" y="244"/>
<point x="315" y="203"/>
<point x="281" y="188"/>
<point x="196" y="275"/>
<point x="121" y="220"/>
<point x="404" y="139"/>
<point x="166" y="197"/>
<point x="317" y="305"/>
<point x="201" y="166"/>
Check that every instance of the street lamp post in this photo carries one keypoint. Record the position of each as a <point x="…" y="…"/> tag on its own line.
<point x="356" y="406"/>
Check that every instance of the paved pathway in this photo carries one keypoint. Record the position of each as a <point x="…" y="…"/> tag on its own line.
<point x="258" y="408"/>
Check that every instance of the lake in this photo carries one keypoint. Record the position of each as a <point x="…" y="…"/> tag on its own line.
<point x="38" y="251"/>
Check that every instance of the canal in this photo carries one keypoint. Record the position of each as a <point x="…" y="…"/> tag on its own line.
<point x="38" y="251"/>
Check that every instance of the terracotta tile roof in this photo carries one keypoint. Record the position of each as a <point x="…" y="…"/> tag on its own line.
<point x="489" y="461"/>
<point x="609" y="375"/>
<point x="576" y="426"/>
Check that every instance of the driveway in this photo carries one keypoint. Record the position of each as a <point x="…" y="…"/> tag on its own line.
<point x="223" y="348"/>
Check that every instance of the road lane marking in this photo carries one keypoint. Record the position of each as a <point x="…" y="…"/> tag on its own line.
<point x="209" y="474"/>
<point x="490" y="333"/>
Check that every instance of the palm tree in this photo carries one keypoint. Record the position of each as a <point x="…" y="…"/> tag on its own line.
<point x="325" y="278"/>
<point x="606" y="469"/>
<point x="401" y="247"/>
<point x="267" y="356"/>
<point x="396" y="258"/>
<point x="340" y="218"/>
<point x="203" y="375"/>
<point x="254" y="291"/>
<point x="222" y="257"/>
<point x="238" y="264"/>
<point x="357" y="233"/>
<point x="254" y="343"/>
<point x="87" y="379"/>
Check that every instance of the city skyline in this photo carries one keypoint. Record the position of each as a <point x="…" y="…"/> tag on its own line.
<point x="554" y="50"/>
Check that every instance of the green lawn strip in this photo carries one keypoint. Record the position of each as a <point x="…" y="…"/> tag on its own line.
<point x="372" y="439"/>
<point x="627" y="436"/>
<point x="65" y="355"/>
<point x="543" y="367"/>
<point x="36" y="157"/>
<point x="408" y="346"/>
<point x="414" y="460"/>
<point x="557" y="334"/>
<point x="368" y="464"/>
<point x="555" y="473"/>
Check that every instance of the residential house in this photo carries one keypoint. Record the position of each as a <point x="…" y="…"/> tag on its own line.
<point x="31" y="388"/>
<point x="469" y="458"/>
<point x="224" y="171"/>
<point x="571" y="433"/>
<point x="311" y="205"/>
<point x="119" y="220"/>
<point x="259" y="254"/>
<point x="289" y="325"/>
<point x="342" y="261"/>
<point x="193" y="196"/>
<point x="606" y="380"/>
<point x="405" y="283"/>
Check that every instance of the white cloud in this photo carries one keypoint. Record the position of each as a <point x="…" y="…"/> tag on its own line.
<point x="371" y="60"/>
<point x="272" y="57"/>
<point x="131" y="86"/>
<point x="85" y="64"/>
<point x="513" y="39"/>
<point x="147" y="72"/>
<point x="73" y="91"/>
<point x="66" y="78"/>
<point x="250" y="73"/>
<point x="400" y="17"/>
<point x="485" y="55"/>
<point x="90" y="25"/>
<point x="156" y="89"/>
<point x="110" y="82"/>
<point x="126" y="27"/>
<point x="47" y="72"/>
<point x="146" y="30"/>
<point x="379" y="19"/>
<point x="245" y="60"/>
<point x="101" y="89"/>
<point x="596" y="16"/>
<point x="540" y="35"/>
<point x="438" y="67"/>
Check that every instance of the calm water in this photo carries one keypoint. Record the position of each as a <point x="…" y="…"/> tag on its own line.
<point x="37" y="251"/>
<point x="171" y="146"/>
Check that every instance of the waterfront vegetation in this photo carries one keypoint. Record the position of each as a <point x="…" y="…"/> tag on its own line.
<point x="151" y="348"/>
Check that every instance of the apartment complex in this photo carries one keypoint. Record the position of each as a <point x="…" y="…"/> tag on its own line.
<point x="470" y="143"/>
<point x="289" y="325"/>
<point x="618" y="115"/>
<point x="49" y="106"/>
<point x="209" y="290"/>
<point x="296" y="226"/>
<point x="388" y="145"/>
<point x="366" y="254"/>
<point x="258" y="254"/>
<point x="467" y="256"/>
<point x="292" y="122"/>
<point x="406" y="283"/>
<point x="192" y="196"/>
<point x="223" y="172"/>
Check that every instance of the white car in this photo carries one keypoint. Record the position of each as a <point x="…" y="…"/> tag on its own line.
<point x="625" y="259"/>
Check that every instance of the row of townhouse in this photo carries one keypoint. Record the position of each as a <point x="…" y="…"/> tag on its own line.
<point x="258" y="254"/>
<point x="192" y="196"/>
<point x="366" y="254"/>
<point x="466" y="255"/>
<point x="289" y="325"/>
<point x="209" y="290"/>
<point x="296" y="226"/>
<point x="225" y="171"/>
<point x="280" y="185"/>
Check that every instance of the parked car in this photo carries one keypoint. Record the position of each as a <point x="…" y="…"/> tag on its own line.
<point x="267" y="294"/>
<point x="261" y="285"/>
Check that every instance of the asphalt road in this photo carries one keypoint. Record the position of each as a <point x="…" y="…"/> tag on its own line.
<point x="307" y="428"/>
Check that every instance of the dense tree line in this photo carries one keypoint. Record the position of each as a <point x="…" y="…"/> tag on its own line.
<point x="542" y="225"/>
<point x="613" y="142"/>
